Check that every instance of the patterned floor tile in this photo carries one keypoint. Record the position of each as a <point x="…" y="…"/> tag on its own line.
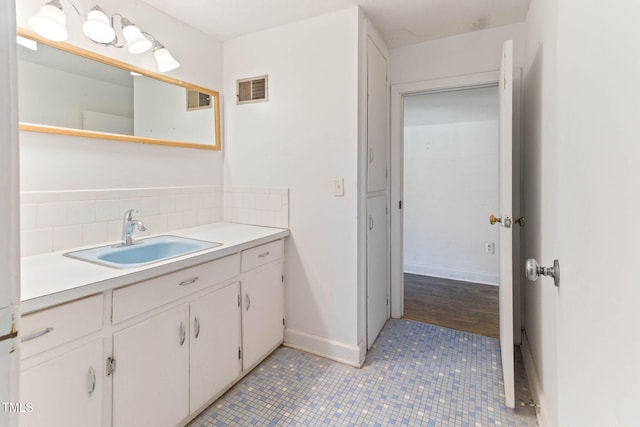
<point x="415" y="375"/>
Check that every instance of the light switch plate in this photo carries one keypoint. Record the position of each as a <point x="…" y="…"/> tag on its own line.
<point x="338" y="186"/>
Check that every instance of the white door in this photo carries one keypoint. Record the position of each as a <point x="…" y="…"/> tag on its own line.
<point x="151" y="379"/>
<point x="506" y="208"/>
<point x="376" y="119"/>
<point x="215" y="341"/>
<point x="65" y="391"/>
<point x="377" y="267"/>
<point x="262" y="314"/>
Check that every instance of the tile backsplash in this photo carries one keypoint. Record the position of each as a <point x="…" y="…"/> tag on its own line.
<point x="59" y="220"/>
<point x="266" y="206"/>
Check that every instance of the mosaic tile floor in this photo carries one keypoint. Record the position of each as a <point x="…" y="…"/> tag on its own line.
<point x="415" y="375"/>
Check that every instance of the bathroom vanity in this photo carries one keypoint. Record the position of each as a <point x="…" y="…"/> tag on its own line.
<point x="153" y="345"/>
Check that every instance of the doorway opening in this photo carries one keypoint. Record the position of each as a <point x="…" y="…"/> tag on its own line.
<point x="450" y="181"/>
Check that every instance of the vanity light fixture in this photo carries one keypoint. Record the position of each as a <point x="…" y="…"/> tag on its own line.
<point x="163" y="58"/>
<point x="50" y="23"/>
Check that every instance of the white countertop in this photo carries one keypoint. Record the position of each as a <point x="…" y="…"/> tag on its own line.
<point x="52" y="278"/>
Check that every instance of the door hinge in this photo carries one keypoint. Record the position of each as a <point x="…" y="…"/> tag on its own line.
<point x="399" y="204"/>
<point x="283" y="278"/>
<point x="239" y="354"/>
<point x="283" y="321"/>
<point x="239" y="301"/>
<point x="111" y="365"/>
<point x="386" y="211"/>
<point x="386" y="173"/>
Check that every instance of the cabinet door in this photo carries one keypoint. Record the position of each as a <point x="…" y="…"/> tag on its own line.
<point x="262" y="313"/>
<point x="377" y="133"/>
<point x="151" y="380"/>
<point x="65" y="391"/>
<point x="377" y="267"/>
<point x="215" y="343"/>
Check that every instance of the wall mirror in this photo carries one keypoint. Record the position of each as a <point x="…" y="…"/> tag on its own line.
<point x="66" y="90"/>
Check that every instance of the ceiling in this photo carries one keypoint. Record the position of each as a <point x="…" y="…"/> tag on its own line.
<point x="400" y="22"/>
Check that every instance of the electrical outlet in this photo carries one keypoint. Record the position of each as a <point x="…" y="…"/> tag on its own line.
<point x="489" y="248"/>
<point x="338" y="186"/>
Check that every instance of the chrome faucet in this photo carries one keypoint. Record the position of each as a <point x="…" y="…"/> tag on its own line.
<point x="129" y="227"/>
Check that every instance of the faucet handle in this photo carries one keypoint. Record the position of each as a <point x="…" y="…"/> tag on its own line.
<point x="128" y="215"/>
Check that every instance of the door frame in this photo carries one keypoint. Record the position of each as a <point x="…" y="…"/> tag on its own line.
<point x="398" y="91"/>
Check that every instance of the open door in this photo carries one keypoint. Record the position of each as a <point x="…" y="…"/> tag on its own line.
<point x="506" y="222"/>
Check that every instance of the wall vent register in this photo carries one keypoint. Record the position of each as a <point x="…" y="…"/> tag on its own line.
<point x="198" y="100"/>
<point x="255" y="89"/>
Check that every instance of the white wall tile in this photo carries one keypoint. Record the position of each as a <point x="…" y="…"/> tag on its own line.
<point x="275" y="202"/>
<point x="67" y="237"/>
<point x="66" y="219"/>
<point x="34" y="242"/>
<point x="114" y="229"/>
<point x="190" y="219"/>
<point x="82" y="212"/>
<point x="53" y="215"/>
<point x="95" y="233"/>
<point x="175" y="220"/>
<point x="108" y="210"/>
<point x="28" y="217"/>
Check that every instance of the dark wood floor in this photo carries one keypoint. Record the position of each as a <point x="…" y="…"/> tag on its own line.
<point x="464" y="306"/>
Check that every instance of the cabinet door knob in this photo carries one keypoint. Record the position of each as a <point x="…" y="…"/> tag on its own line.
<point x="183" y="334"/>
<point x="248" y="299"/>
<point x="92" y="381"/>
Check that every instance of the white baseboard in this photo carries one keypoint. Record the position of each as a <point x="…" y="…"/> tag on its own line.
<point x="447" y="273"/>
<point x="340" y="352"/>
<point x="534" y="383"/>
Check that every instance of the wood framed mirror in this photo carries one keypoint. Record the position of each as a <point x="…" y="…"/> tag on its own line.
<point x="66" y="90"/>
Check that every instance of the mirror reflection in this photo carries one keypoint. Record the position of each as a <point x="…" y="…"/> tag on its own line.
<point x="61" y="90"/>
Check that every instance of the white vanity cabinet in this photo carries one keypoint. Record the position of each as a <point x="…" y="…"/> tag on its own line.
<point x="62" y="365"/>
<point x="151" y="379"/>
<point x="263" y="302"/>
<point x="214" y="343"/>
<point x="157" y="351"/>
<point x="65" y="391"/>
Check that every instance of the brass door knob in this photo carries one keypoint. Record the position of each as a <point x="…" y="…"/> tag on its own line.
<point x="521" y="221"/>
<point x="493" y="219"/>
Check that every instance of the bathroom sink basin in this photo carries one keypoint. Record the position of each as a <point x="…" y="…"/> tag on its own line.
<point x="143" y="252"/>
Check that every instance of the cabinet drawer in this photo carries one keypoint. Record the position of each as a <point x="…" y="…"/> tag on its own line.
<point x="144" y="296"/>
<point x="262" y="254"/>
<point x="54" y="326"/>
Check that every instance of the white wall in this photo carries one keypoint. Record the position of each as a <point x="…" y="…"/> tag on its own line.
<point x="450" y="189"/>
<point x="305" y="135"/>
<point x="50" y="162"/>
<point x="458" y="55"/>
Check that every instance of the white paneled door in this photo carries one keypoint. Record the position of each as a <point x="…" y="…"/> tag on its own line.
<point x="506" y="208"/>
<point x="377" y="267"/>
<point x="377" y="130"/>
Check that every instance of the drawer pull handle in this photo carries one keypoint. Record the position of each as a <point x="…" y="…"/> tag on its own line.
<point x="197" y="323"/>
<point x="248" y="299"/>
<point x="36" y="335"/>
<point x="190" y="281"/>
<point x="183" y="334"/>
<point x="263" y="254"/>
<point x="92" y="385"/>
